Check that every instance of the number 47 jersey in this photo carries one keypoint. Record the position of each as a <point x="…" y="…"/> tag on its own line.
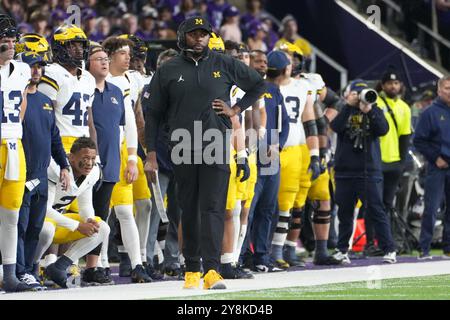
<point x="73" y="96"/>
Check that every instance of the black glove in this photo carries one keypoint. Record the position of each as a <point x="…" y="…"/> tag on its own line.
<point x="314" y="167"/>
<point x="242" y="166"/>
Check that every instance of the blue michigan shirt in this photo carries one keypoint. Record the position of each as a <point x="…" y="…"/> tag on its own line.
<point x="41" y="138"/>
<point x="108" y="110"/>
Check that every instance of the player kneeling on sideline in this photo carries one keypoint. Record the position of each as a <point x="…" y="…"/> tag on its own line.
<point x="83" y="229"/>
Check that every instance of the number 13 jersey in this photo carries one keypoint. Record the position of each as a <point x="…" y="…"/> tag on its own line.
<point x="14" y="79"/>
<point x="295" y="94"/>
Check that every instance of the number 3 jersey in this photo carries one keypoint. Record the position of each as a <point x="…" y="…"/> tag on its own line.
<point x="73" y="96"/>
<point x="295" y="94"/>
<point x="14" y="79"/>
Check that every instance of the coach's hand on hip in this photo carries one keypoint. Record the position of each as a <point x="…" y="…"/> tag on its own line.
<point x="151" y="166"/>
<point x="222" y="108"/>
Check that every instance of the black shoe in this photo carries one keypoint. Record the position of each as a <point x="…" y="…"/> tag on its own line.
<point x="16" y="287"/>
<point x="248" y="261"/>
<point x="372" y="251"/>
<point x="297" y="262"/>
<point x="153" y="273"/>
<point x="172" y="272"/>
<point x="107" y="274"/>
<point x="96" y="277"/>
<point x="31" y="281"/>
<point x="242" y="274"/>
<point x="326" y="261"/>
<point x="182" y="272"/>
<point x="125" y="265"/>
<point x="262" y="268"/>
<point x="227" y="271"/>
<point x="138" y="275"/>
<point x="56" y="275"/>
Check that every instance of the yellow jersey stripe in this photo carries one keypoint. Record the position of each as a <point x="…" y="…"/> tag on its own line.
<point x="50" y="82"/>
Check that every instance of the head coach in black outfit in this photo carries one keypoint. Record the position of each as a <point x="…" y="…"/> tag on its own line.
<point x="188" y="92"/>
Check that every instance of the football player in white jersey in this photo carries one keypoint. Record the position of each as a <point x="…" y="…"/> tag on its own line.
<point x="300" y="155"/>
<point x="68" y="84"/>
<point x="141" y="191"/>
<point x="14" y="77"/>
<point x="70" y="87"/>
<point x="238" y="194"/>
<point x="318" y="190"/>
<point x="84" y="230"/>
<point x="119" y="52"/>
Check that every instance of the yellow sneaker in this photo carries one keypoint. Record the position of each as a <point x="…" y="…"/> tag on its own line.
<point x="213" y="280"/>
<point x="191" y="280"/>
<point x="282" y="264"/>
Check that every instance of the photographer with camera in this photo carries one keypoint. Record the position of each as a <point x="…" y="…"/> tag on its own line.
<point x="358" y="167"/>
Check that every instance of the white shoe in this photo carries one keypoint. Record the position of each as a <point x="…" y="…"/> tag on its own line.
<point x="343" y="257"/>
<point x="390" y="257"/>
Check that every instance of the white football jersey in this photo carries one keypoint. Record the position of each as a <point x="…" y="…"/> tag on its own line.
<point x="60" y="199"/>
<point x="236" y="94"/>
<point x="316" y="82"/>
<point x="125" y="85"/>
<point x="295" y="94"/>
<point x="73" y="96"/>
<point x="14" y="78"/>
<point x="136" y="85"/>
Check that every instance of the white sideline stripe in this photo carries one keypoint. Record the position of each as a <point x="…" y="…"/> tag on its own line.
<point x="169" y="289"/>
<point x="394" y="42"/>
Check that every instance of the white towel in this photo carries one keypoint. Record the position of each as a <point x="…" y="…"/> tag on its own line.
<point x="12" y="171"/>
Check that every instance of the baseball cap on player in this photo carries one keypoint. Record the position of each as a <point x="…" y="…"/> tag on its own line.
<point x="277" y="60"/>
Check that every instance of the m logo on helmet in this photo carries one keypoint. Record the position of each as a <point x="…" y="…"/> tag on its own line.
<point x="199" y="21"/>
<point x="216" y="74"/>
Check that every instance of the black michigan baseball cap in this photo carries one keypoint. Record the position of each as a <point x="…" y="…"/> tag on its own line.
<point x="195" y="23"/>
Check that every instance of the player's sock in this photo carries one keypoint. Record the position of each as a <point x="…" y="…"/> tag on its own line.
<point x="289" y="250"/>
<point x="158" y="251"/>
<point x="280" y="234"/>
<point x="129" y="232"/>
<point x="45" y="240"/>
<point x="49" y="259"/>
<point x="226" y="258"/>
<point x="104" y="260"/>
<point x="240" y="243"/>
<point x="85" y="245"/>
<point x="8" y="235"/>
<point x="236" y="223"/>
<point x="10" y="281"/>
<point x="321" y="249"/>
<point x="181" y="259"/>
<point x="143" y="210"/>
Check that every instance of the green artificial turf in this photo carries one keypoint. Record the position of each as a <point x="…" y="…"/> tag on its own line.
<point x="420" y="288"/>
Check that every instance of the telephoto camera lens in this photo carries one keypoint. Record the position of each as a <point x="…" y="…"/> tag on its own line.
<point x="368" y="96"/>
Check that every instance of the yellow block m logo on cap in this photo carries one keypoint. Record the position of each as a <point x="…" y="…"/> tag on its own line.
<point x="216" y="74"/>
<point x="199" y="21"/>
